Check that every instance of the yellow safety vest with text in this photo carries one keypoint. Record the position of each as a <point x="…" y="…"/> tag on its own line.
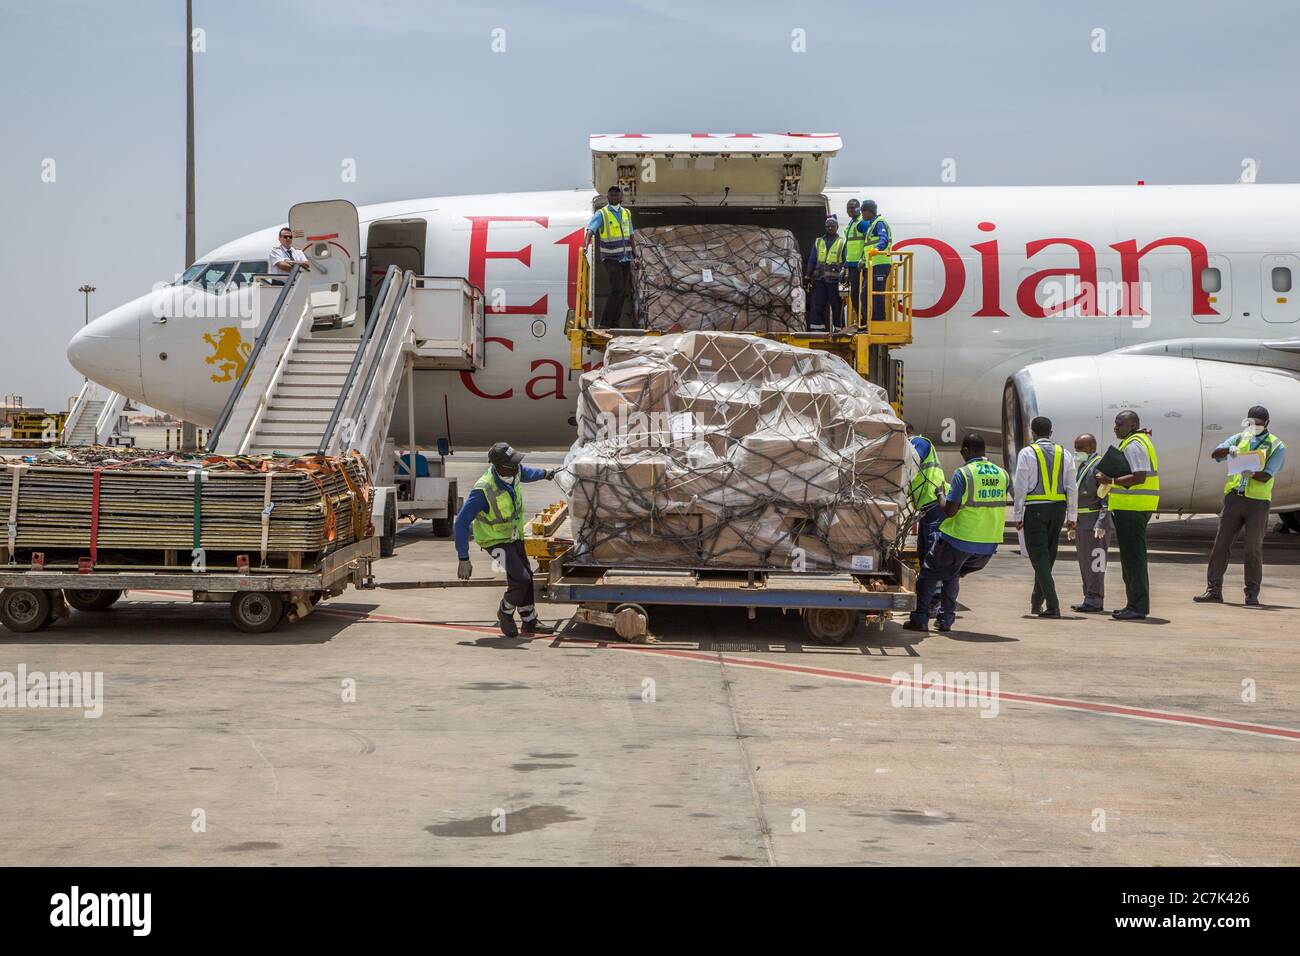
<point x="982" y="517"/>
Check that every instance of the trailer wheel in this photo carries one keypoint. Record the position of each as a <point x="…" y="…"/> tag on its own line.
<point x="830" y="625"/>
<point x="91" y="599"/>
<point x="24" y="610"/>
<point x="256" y="612"/>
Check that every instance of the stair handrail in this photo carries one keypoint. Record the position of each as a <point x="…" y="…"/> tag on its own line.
<point x="382" y="344"/>
<point x="377" y="311"/>
<point x="375" y="416"/>
<point x="223" y="419"/>
<point x="77" y="411"/>
<point x="281" y="364"/>
<point x="106" y="423"/>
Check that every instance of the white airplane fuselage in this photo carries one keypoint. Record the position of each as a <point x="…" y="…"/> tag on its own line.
<point x="986" y="259"/>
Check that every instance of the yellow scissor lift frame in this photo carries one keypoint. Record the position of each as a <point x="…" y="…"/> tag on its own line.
<point x="865" y="345"/>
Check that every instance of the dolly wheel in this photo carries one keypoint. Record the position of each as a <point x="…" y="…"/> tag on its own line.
<point x="256" y="612"/>
<point x="830" y="625"/>
<point x="24" y="610"/>
<point x="91" y="599"/>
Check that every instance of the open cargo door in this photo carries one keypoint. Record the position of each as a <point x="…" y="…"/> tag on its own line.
<point x="329" y="234"/>
<point x="752" y="169"/>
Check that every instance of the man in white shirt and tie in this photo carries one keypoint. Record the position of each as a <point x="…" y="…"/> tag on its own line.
<point x="1046" y="498"/>
<point x="283" y="256"/>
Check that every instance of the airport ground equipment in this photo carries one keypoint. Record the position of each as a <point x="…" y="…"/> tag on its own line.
<point x="327" y="365"/>
<point x="755" y="180"/>
<point x="33" y="598"/>
<point x="97" y="417"/>
<point x="831" y="605"/>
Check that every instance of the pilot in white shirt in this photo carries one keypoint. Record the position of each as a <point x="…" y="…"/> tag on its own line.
<point x="284" y="255"/>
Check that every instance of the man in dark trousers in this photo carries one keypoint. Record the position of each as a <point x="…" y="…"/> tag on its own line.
<point x="1046" y="499"/>
<point x="825" y="266"/>
<point x="494" y="512"/>
<point x="612" y="225"/>
<point x="1134" y="498"/>
<point x="1093" y="527"/>
<point x="1247" y="496"/>
<point x="975" y="512"/>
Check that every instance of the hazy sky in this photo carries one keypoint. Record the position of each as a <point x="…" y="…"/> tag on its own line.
<point x="414" y="93"/>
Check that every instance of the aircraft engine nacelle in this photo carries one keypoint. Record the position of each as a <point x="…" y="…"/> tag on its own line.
<point x="1190" y="405"/>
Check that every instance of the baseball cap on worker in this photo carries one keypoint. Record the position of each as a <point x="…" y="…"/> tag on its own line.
<point x="502" y="455"/>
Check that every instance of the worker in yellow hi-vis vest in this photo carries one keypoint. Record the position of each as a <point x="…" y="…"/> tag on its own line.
<point x="879" y="244"/>
<point x="612" y="225"/>
<point x="1133" y="500"/>
<point x="494" y="513"/>
<point x="1247" y="496"/>
<point x="825" y="266"/>
<point x="975" y="515"/>
<point x="1046" y="500"/>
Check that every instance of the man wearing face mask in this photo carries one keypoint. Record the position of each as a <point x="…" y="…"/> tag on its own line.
<point x="1246" y="499"/>
<point x="1094" y="526"/>
<point x="494" y="512"/>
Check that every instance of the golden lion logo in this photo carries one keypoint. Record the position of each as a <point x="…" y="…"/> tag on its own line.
<point x="229" y="353"/>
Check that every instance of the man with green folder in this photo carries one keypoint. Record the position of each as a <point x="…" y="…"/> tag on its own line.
<point x="1134" y="497"/>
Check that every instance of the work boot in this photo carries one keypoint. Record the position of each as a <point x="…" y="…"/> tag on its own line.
<point x="507" y="624"/>
<point x="1086" y="608"/>
<point x="1209" y="597"/>
<point x="922" y="626"/>
<point x="943" y="626"/>
<point x="1252" y="600"/>
<point x="1036" y="608"/>
<point x="1050" y="612"/>
<point x="535" y="626"/>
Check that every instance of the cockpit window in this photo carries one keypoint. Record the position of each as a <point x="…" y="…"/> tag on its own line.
<point x="192" y="273"/>
<point x="245" y="271"/>
<point x="216" y="274"/>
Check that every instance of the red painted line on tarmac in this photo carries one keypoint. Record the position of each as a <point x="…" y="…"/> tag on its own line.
<point x="1060" y="703"/>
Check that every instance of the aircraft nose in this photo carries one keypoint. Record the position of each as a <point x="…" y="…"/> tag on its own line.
<point x="107" y="350"/>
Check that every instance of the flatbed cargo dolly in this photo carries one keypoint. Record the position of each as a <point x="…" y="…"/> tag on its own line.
<point x="831" y="604"/>
<point x="34" y="598"/>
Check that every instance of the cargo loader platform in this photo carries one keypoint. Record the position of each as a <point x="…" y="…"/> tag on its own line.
<point x="831" y="604"/>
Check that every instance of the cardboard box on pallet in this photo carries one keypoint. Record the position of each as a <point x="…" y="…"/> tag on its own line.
<point x="762" y="468"/>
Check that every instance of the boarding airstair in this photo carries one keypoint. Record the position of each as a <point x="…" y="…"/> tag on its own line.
<point x="324" y="373"/>
<point x="96" y="417"/>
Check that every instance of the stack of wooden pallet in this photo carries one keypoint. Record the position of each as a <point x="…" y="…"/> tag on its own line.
<point x="123" y="509"/>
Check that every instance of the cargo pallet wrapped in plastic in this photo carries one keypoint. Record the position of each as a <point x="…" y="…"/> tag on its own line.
<point x="715" y="277"/>
<point x="705" y="449"/>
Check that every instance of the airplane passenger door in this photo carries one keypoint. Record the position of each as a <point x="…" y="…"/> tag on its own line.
<point x="329" y="234"/>
<point x="1216" y="282"/>
<point x="1280" y="297"/>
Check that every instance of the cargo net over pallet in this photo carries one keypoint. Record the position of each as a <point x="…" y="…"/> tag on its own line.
<point x="99" y="508"/>
<point x="711" y="449"/>
<point x="717" y="278"/>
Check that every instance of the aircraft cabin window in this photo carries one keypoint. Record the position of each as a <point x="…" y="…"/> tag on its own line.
<point x="1211" y="280"/>
<point x="245" y="271"/>
<point x="1281" y="279"/>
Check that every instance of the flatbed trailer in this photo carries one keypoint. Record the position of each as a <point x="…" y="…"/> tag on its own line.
<point x="831" y="604"/>
<point x="33" y="598"/>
